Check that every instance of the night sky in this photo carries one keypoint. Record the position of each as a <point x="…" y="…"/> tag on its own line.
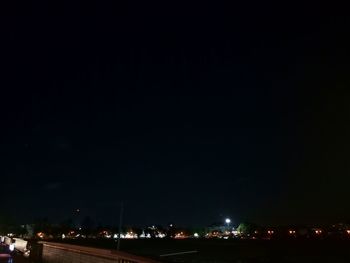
<point x="187" y="114"/>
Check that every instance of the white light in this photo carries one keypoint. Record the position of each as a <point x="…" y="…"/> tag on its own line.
<point x="195" y="235"/>
<point x="12" y="247"/>
<point x="161" y="235"/>
<point x="228" y="220"/>
<point x="129" y="235"/>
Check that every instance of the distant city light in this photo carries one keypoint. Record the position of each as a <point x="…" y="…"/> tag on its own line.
<point x="195" y="235"/>
<point x="235" y="232"/>
<point x="228" y="220"/>
<point x="129" y="235"/>
<point x="180" y="235"/>
<point x="160" y="235"/>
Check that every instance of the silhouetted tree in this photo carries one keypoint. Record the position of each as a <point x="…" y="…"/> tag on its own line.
<point x="246" y="228"/>
<point x="42" y="225"/>
<point x="87" y="226"/>
<point x="66" y="226"/>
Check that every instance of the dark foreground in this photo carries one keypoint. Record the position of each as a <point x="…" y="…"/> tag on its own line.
<point x="7" y="257"/>
<point x="239" y="251"/>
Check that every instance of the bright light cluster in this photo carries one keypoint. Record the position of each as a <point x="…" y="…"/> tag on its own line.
<point x="129" y="235"/>
<point x="143" y="235"/>
<point x="180" y="235"/>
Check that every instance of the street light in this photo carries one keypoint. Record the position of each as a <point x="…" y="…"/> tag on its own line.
<point x="228" y="221"/>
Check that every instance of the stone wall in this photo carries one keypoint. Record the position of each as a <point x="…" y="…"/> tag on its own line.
<point x="65" y="253"/>
<point x="57" y="255"/>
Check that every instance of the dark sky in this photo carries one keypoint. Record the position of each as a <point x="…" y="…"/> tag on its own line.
<point x="186" y="113"/>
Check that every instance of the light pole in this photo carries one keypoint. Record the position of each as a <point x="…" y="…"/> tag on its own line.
<point x="120" y="224"/>
<point x="228" y="221"/>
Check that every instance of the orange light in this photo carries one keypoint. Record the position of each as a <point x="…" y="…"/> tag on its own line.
<point x="348" y="231"/>
<point x="40" y="234"/>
